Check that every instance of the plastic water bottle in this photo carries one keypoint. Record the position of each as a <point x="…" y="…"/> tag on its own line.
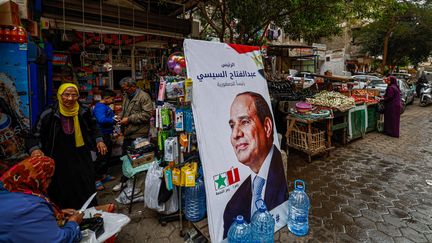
<point x="240" y="231"/>
<point x="298" y="209"/>
<point x="262" y="224"/>
<point x="195" y="201"/>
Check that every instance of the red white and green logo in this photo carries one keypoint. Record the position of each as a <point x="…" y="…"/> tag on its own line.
<point x="226" y="179"/>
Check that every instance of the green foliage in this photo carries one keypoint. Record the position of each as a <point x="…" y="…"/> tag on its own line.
<point x="246" y="20"/>
<point x="408" y="27"/>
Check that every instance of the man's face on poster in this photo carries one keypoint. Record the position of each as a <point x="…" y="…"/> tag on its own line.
<point x="250" y="138"/>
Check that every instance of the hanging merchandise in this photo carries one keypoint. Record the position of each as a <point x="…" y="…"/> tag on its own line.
<point x="152" y="187"/>
<point x="179" y="120"/>
<point x="174" y="90"/>
<point x="162" y="87"/>
<point x="188" y="120"/>
<point x="177" y="63"/>
<point x="162" y="136"/>
<point x="176" y="177"/>
<point x="171" y="149"/>
<point x="166" y="118"/>
<point x="188" y="90"/>
<point x="168" y="178"/>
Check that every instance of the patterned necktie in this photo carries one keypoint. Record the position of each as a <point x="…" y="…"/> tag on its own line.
<point x="258" y="185"/>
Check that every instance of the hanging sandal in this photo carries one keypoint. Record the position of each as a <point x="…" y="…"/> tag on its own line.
<point x="99" y="186"/>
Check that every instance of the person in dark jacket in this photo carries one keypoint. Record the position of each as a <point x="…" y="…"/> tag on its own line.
<point x="393" y="106"/>
<point x="421" y="80"/>
<point x="67" y="132"/>
<point x="105" y="120"/>
<point x="27" y="215"/>
<point x="136" y="113"/>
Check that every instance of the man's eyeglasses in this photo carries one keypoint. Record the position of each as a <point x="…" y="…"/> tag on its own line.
<point x="73" y="96"/>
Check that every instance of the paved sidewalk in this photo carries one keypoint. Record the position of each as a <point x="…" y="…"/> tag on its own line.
<point x="371" y="190"/>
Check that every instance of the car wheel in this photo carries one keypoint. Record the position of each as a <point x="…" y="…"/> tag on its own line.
<point x="412" y="101"/>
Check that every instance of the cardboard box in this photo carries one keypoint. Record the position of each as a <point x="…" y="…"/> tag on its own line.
<point x="144" y="159"/>
<point x="9" y="14"/>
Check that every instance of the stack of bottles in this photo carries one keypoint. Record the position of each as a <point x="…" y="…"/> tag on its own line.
<point x="298" y="209"/>
<point x="261" y="228"/>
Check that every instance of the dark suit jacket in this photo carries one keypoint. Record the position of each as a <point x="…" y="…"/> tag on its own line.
<point x="276" y="193"/>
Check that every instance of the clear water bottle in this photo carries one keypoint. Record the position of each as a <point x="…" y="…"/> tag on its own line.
<point x="195" y="201"/>
<point x="298" y="209"/>
<point x="262" y="224"/>
<point x="239" y="231"/>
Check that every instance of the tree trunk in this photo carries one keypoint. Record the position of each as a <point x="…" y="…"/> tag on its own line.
<point x="385" y="51"/>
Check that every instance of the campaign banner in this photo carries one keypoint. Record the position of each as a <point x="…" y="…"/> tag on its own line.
<point x="236" y="134"/>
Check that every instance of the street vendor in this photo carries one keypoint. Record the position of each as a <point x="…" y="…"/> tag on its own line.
<point x="27" y="214"/>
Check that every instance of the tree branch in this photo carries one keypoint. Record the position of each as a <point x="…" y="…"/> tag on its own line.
<point x="203" y="11"/>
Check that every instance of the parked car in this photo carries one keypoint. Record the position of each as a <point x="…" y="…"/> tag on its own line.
<point x="407" y="93"/>
<point x="307" y="77"/>
<point x="405" y="76"/>
<point x="363" y="80"/>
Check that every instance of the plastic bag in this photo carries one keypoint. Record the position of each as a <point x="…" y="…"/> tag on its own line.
<point x="126" y="193"/>
<point x="171" y="206"/>
<point x="113" y="224"/>
<point x="152" y="186"/>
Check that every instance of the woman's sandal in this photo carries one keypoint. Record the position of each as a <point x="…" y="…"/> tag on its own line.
<point x="99" y="186"/>
<point x="107" y="178"/>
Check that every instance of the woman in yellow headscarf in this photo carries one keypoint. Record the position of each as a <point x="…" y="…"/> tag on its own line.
<point x="67" y="133"/>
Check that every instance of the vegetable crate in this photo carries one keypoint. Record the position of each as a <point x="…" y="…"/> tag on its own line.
<point x="310" y="143"/>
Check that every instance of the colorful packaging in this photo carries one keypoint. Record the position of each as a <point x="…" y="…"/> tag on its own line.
<point x="168" y="178"/>
<point x="188" y="120"/>
<point x="176" y="176"/>
<point x="171" y="149"/>
<point x="188" y="90"/>
<point x="162" y="136"/>
<point x="162" y="87"/>
<point x="184" y="141"/>
<point x="189" y="177"/>
<point x="165" y="116"/>
<point x="179" y="120"/>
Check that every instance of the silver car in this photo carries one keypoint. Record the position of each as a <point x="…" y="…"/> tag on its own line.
<point x="407" y="94"/>
<point x="363" y="80"/>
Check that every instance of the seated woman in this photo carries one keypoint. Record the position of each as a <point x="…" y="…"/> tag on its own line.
<point x="27" y="215"/>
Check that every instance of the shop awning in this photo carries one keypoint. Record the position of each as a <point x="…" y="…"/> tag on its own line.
<point x="132" y="21"/>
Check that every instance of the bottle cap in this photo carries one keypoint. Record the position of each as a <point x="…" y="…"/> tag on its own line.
<point x="239" y="219"/>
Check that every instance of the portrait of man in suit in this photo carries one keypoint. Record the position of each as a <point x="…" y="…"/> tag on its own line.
<point x="252" y="135"/>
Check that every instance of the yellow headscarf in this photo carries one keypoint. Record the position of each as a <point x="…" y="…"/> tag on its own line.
<point x="79" y="141"/>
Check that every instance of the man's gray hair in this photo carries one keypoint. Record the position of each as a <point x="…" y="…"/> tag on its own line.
<point x="128" y="80"/>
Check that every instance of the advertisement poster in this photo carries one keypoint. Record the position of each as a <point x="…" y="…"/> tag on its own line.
<point x="14" y="104"/>
<point x="236" y="134"/>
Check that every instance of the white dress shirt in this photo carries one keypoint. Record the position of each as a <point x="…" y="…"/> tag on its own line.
<point x="263" y="172"/>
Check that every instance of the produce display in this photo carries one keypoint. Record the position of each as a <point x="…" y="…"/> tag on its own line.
<point x="332" y="99"/>
<point x="365" y="95"/>
<point x="359" y="99"/>
<point x="286" y="91"/>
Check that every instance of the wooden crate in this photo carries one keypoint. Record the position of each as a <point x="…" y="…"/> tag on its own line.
<point x="144" y="159"/>
<point x="311" y="143"/>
